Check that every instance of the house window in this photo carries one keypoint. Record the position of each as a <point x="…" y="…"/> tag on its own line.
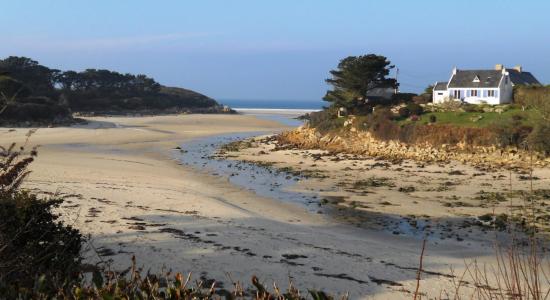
<point x="473" y="93"/>
<point x="456" y="94"/>
<point x="491" y="93"/>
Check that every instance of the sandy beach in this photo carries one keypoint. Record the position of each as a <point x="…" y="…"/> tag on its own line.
<point x="124" y="187"/>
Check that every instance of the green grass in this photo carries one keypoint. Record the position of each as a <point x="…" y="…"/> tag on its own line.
<point x="475" y="119"/>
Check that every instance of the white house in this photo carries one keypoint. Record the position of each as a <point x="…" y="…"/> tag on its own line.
<point x="482" y="86"/>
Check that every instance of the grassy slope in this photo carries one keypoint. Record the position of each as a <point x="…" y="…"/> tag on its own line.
<point x="468" y="119"/>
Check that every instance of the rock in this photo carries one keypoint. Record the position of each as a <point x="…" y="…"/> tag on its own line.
<point x="361" y="142"/>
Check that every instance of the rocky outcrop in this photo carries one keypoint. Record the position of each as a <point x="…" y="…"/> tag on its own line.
<point x="361" y="142"/>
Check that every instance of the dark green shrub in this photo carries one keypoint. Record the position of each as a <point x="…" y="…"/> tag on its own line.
<point x="382" y="126"/>
<point x="515" y="106"/>
<point x="362" y="110"/>
<point x="415" y="109"/>
<point x="422" y="99"/>
<point x="326" y="120"/>
<point x="531" y="96"/>
<point x="34" y="242"/>
<point x="331" y="125"/>
<point x="362" y="122"/>
<point x="472" y="108"/>
<point x="404" y="112"/>
<point x="517" y="118"/>
<point x="433" y="119"/>
<point x="539" y="139"/>
<point x="511" y="132"/>
<point x="379" y="114"/>
<point x="318" y="117"/>
<point x="403" y="97"/>
<point x="11" y="89"/>
<point x="34" y="112"/>
<point x="35" y="247"/>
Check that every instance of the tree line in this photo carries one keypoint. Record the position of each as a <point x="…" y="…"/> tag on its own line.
<point x="29" y="90"/>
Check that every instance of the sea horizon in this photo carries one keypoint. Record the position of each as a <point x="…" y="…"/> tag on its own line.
<point x="305" y="105"/>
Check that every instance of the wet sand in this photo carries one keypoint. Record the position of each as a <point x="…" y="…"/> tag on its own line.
<point x="412" y="189"/>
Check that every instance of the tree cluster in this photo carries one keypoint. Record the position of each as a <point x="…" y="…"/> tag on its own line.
<point x="534" y="97"/>
<point x="31" y="91"/>
<point x="356" y="77"/>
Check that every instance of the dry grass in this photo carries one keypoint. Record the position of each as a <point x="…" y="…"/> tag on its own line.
<point x="434" y="135"/>
<point x="134" y="285"/>
<point x="521" y="267"/>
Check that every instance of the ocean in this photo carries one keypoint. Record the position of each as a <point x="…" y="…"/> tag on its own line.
<point x="274" y="104"/>
<point x="282" y="111"/>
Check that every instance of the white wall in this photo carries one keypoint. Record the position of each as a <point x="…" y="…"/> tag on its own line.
<point x="440" y="96"/>
<point x="506" y="90"/>
<point x="480" y="98"/>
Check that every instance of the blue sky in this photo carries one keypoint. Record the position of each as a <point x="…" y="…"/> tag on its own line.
<point x="254" y="49"/>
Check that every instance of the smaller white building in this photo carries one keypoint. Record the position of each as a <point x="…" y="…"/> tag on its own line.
<point x="440" y="92"/>
<point x="482" y="86"/>
<point x="383" y="93"/>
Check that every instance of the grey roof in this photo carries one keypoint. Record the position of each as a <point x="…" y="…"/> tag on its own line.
<point x="465" y="79"/>
<point x="525" y="78"/>
<point x="441" y="86"/>
<point x="489" y="78"/>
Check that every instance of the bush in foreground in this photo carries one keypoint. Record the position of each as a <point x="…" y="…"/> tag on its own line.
<point x="178" y="286"/>
<point x="37" y="251"/>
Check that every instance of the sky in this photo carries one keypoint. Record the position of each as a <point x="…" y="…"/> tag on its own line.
<point x="276" y="50"/>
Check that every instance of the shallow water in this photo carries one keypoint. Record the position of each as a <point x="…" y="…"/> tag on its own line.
<point x="286" y="120"/>
<point x="263" y="181"/>
<point x="269" y="182"/>
<point x="288" y="117"/>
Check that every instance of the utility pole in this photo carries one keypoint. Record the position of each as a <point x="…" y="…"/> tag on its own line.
<point x="396" y="82"/>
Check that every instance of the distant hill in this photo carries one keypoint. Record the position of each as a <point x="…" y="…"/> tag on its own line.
<point x="33" y="94"/>
<point x="191" y="97"/>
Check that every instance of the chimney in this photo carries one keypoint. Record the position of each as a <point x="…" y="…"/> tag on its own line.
<point x="518" y="68"/>
<point x="499" y="67"/>
<point x="455" y="70"/>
